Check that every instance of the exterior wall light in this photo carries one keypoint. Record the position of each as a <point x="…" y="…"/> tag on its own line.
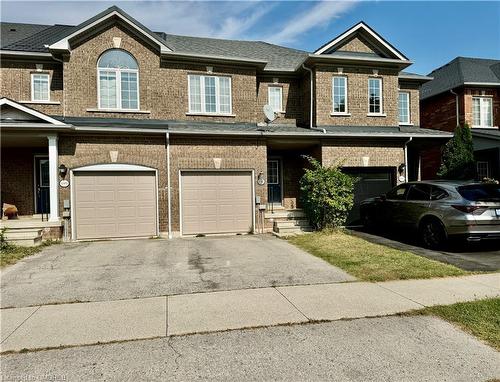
<point x="401" y="168"/>
<point x="63" y="170"/>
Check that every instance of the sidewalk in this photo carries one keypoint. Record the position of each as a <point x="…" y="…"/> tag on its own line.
<point x="77" y="324"/>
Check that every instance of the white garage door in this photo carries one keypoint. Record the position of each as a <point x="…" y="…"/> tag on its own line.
<point x="114" y="204"/>
<point x="216" y="202"/>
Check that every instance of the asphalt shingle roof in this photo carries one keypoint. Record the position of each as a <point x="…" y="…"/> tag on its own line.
<point x="459" y="71"/>
<point x="33" y="38"/>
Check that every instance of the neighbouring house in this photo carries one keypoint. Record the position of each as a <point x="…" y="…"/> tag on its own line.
<point x="126" y="132"/>
<point x="465" y="90"/>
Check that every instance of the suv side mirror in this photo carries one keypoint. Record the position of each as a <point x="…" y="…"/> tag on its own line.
<point x="383" y="197"/>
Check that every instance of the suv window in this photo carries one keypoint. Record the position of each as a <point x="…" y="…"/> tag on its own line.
<point x="398" y="193"/>
<point x="438" y="193"/>
<point x="480" y="192"/>
<point x="419" y="192"/>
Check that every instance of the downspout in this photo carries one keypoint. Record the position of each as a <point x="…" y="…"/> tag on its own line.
<point x="64" y="91"/>
<point x="169" y="194"/>
<point x="311" y="96"/>
<point x="456" y="103"/>
<point x="406" y="158"/>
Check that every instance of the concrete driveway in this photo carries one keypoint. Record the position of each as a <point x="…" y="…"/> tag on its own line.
<point x="111" y="270"/>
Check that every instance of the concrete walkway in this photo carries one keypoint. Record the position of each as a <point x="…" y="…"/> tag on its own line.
<point x="52" y="326"/>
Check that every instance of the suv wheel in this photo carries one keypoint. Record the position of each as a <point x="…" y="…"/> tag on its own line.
<point x="432" y="234"/>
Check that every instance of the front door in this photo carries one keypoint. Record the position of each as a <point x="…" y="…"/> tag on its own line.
<point x="42" y="199"/>
<point x="274" y="181"/>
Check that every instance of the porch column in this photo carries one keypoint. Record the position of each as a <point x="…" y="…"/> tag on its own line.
<point x="53" y="179"/>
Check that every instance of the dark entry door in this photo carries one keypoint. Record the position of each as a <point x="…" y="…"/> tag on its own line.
<point x="42" y="184"/>
<point x="274" y="181"/>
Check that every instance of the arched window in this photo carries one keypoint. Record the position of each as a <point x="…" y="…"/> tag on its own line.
<point x="118" y="80"/>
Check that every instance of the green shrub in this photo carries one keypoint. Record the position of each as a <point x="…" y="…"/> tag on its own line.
<point x="327" y="195"/>
<point x="458" y="156"/>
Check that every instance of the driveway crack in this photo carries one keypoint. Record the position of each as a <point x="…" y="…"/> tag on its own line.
<point x="178" y="355"/>
<point x="291" y="303"/>
<point x="21" y="324"/>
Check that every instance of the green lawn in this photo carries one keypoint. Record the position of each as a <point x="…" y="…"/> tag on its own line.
<point x="11" y="254"/>
<point x="480" y="318"/>
<point x="369" y="261"/>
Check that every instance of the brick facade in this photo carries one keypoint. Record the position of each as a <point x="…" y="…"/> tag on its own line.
<point x="84" y="150"/>
<point x="357" y="97"/>
<point x="196" y="153"/>
<point x="291" y="99"/>
<point x="347" y="154"/>
<point x="16" y="84"/>
<point x="18" y="177"/>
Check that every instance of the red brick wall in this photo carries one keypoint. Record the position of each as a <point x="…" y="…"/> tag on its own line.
<point x="17" y="177"/>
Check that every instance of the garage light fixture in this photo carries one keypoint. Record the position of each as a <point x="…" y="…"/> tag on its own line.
<point x="401" y="168"/>
<point x="63" y="170"/>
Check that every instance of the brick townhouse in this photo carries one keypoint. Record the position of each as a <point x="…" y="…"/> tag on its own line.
<point x="465" y="90"/>
<point x="126" y="132"/>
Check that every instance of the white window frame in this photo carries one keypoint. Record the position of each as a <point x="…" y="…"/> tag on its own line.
<point x="487" y="165"/>
<point x="118" y="72"/>
<point x="33" y="99"/>
<point x="346" y="112"/>
<point x="482" y="124"/>
<point x="408" y="122"/>
<point x="381" y="112"/>
<point x="280" y="88"/>
<point x="217" y="95"/>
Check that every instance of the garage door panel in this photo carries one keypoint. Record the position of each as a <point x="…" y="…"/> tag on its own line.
<point x="216" y="202"/>
<point x="114" y="204"/>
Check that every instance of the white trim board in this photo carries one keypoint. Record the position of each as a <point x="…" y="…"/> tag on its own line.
<point x="367" y="29"/>
<point x="63" y="44"/>
<point x="34" y="113"/>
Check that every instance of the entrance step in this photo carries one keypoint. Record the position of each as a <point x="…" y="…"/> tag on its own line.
<point x="27" y="237"/>
<point x="286" y="214"/>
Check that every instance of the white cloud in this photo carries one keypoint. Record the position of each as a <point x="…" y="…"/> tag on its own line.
<point x="319" y="15"/>
<point x="200" y="18"/>
<point x="223" y="19"/>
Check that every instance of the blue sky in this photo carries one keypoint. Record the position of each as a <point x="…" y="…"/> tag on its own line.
<point x="429" y="33"/>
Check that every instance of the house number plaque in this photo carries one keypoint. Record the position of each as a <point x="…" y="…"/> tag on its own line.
<point x="64" y="183"/>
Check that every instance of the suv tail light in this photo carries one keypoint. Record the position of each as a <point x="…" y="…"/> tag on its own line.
<point x="475" y="210"/>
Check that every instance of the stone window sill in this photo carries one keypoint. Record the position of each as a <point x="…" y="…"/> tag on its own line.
<point x="40" y="102"/>
<point x="123" y="111"/>
<point x="406" y="124"/>
<point x="211" y="115"/>
<point x="376" y="115"/>
<point x="485" y="127"/>
<point x="340" y="114"/>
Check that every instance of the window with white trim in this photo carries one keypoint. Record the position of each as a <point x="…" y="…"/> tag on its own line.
<point x="273" y="172"/>
<point x="375" y="95"/>
<point x="275" y="98"/>
<point x="339" y="95"/>
<point x="404" y="108"/>
<point x="40" y="89"/>
<point x="209" y="94"/>
<point x="483" y="169"/>
<point x="118" y="81"/>
<point x="482" y="112"/>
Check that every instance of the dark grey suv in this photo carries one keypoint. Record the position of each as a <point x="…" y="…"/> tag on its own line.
<point x="438" y="210"/>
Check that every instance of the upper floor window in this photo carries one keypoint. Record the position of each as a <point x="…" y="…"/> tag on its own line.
<point x="209" y="94"/>
<point x="339" y="96"/>
<point x="482" y="112"/>
<point x="40" y="89"/>
<point x="375" y="95"/>
<point x="118" y="86"/>
<point x="404" y="108"/>
<point x="275" y="98"/>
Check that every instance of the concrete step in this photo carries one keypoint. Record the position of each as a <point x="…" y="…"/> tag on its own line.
<point x="22" y="233"/>
<point x="291" y="223"/>
<point x="28" y="223"/>
<point x="285" y="214"/>
<point x="33" y="242"/>
<point x="294" y="230"/>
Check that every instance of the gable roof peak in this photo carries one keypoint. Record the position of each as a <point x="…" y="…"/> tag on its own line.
<point x="362" y="28"/>
<point x="113" y="11"/>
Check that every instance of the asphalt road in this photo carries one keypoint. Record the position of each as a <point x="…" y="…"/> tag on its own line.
<point x="378" y="349"/>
